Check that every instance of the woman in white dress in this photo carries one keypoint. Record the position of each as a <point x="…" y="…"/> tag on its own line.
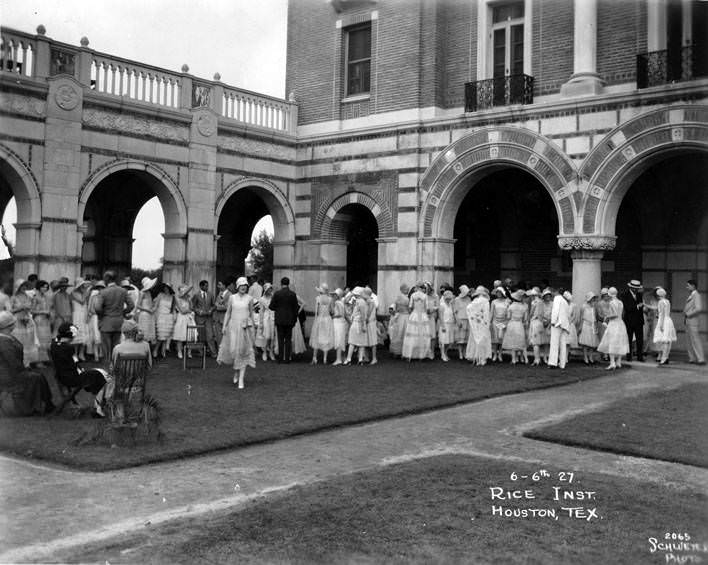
<point x="515" y="335"/>
<point x="417" y="341"/>
<point x="185" y="317"/>
<point x="372" y="332"/>
<point x="79" y="315"/>
<point x="498" y="313"/>
<point x="537" y="333"/>
<point x="615" y="342"/>
<point x="587" y="338"/>
<point x="339" y="324"/>
<point x="146" y="313"/>
<point x="665" y="332"/>
<point x="93" y="341"/>
<point x="358" y="330"/>
<point x="164" y="319"/>
<point x="446" y="324"/>
<point x="462" y="325"/>
<point x="298" y="341"/>
<point x="265" y="336"/>
<point x="322" y="333"/>
<point x="479" y="346"/>
<point x="237" y="345"/>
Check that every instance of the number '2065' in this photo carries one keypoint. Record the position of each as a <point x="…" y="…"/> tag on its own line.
<point x="675" y="536"/>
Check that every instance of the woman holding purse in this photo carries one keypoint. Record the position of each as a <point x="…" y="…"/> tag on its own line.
<point x="237" y="345"/>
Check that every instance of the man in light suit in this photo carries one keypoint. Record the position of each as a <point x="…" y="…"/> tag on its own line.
<point x="204" y="306"/>
<point x="112" y="305"/>
<point x="692" y="313"/>
<point x="560" y="329"/>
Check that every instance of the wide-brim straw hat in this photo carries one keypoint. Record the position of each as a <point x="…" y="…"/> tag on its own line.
<point x="323" y="288"/>
<point x="339" y="292"/>
<point x="464" y="291"/>
<point x="535" y="291"/>
<point x="267" y="287"/>
<point x="589" y="295"/>
<point x="147" y="283"/>
<point x="480" y="291"/>
<point x="18" y="284"/>
<point x="635" y="284"/>
<point x="518" y="295"/>
<point x="546" y="292"/>
<point x="604" y="291"/>
<point x="567" y="295"/>
<point x="660" y="292"/>
<point x="183" y="289"/>
<point x="241" y="281"/>
<point x="499" y="290"/>
<point x="6" y="320"/>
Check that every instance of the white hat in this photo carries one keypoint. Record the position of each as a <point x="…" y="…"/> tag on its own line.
<point x="323" y="288"/>
<point x="147" y="283"/>
<point x="464" y="291"/>
<point x="241" y="281"/>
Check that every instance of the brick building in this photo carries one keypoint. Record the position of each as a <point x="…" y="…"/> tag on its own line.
<point x="466" y="140"/>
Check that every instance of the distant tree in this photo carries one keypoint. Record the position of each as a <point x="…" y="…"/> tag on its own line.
<point x="262" y="256"/>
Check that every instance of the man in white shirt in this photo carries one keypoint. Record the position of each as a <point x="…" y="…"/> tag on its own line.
<point x="255" y="291"/>
<point x="692" y="312"/>
<point x="560" y="328"/>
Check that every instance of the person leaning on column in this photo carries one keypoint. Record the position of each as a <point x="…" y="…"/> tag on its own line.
<point x="692" y="313"/>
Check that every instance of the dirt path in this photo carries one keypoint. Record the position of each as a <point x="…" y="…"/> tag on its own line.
<point x="46" y="510"/>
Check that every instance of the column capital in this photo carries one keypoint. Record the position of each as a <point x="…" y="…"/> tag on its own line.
<point x="587" y="242"/>
<point x="586" y="255"/>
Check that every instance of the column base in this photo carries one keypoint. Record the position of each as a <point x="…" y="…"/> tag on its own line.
<point x="582" y="84"/>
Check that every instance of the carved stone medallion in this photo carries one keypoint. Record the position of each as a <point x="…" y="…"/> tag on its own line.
<point x="66" y="97"/>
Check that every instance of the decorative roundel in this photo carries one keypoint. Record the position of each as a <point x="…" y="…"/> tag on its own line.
<point x="66" y="97"/>
<point x="206" y="125"/>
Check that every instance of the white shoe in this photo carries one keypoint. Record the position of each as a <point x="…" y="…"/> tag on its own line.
<point x="336" y="363"/>
<point x="265" y="357"/>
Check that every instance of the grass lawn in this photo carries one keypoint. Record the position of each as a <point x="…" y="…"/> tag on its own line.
<point x="203" y="411"/>
<point x="647" y="426"/>
<point x="436" y="510"/>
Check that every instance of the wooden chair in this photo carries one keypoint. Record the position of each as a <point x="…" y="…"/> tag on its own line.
<point x="129" y="376"/>
<point x="196" y="342"/>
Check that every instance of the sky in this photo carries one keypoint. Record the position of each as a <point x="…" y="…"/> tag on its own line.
<point x="243" y="40"/>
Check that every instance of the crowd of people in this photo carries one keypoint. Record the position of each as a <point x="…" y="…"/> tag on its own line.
<point x="245" y="319"/>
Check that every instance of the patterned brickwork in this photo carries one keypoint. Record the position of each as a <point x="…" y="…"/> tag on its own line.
<point x="383" y="217"/>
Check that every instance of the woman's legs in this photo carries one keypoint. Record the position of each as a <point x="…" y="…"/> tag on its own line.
<point x="374" y="360"/>
<point x="179" y="349"/>
<point x="536" y="354"/>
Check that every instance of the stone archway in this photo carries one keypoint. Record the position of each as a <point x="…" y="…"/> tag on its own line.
<point x="269" y="198"/>
<point x="18" y="181"/>
<point x="174" y="208"/>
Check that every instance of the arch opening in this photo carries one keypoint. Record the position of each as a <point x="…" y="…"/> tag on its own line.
<point x="506" y="225"/>
<point x="356" y="225"/>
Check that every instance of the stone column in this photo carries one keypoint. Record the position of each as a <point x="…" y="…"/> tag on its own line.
<point x="283" y="260"/>
<point x="584" y="81"/>
<point x="437" y="259"/>
<point x="587" y="273"/>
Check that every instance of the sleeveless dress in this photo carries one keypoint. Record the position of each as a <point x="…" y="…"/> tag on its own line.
<point x="462" y="328"/>
<point x="340" y="325"/>
<point x="537" y="333"/>
<point x="322" y="334"/>
<point x="24" y="329"/>
<point x="416" y="342"/>
<point x="43" y="326"/>
<point x="547" y="311"/>
<point x="602" y="310"/>
<point x="398" y="324"/>
<point x="615" y="340"/>
<point x="588" y="332"/>
<point x="79" y="318"/>
<point x="573" y="329"/>
<point x="498" y="314"/>
<point x="358" y="331"/>
<point x="146" y="320"/>
<point x="479" y="345"/>
<point x="266" y="323"/>
<point x="372" y="330"/>
<point x="446" y="324"/>
<point x="164" y="317"/>
<point x="185" y="317"/>
<point x="236" y="347"/>
<point x="515" y="334"/>
<point x="664" y="319"/>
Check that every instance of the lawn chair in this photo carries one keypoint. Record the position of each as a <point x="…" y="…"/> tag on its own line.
<point x="196" y="341"/>
<point x="129" y="376"/>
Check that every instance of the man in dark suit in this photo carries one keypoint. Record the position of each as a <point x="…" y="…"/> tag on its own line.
<point x="284" y="304"/>
<point x="633" y="316"/>
<point x="113" y="303"/>
<point x="204" y="306"/>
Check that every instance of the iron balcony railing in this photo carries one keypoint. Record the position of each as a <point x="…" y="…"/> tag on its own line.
<point x="664" y="67"/>
<point x="500" y="91"/>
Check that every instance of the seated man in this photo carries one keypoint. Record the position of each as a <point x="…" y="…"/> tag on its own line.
<point x="67" y="371"/>
<point x="22" y="392"/>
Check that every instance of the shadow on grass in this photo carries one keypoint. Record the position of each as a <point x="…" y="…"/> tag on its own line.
<point x="647" y="426"/>
<point x="434" y="510"/>
<point x="203" y="412"/>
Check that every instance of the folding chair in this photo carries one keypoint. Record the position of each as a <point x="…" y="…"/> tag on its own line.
<point x="196" y="341"/>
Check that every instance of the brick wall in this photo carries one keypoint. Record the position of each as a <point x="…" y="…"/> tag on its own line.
<point x="552" y="55"/>
<point x="621" y="35"/>
<point x="458" y="26"/>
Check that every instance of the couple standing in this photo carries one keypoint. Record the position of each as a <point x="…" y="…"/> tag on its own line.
<point x="285" y="306"/>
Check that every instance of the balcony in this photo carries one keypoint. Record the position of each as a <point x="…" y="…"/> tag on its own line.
<point x="666" y="67"/>
<point x="500" y="91"/>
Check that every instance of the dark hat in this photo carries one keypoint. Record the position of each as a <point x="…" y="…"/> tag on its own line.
<point x="66" y="330"/>
<point x="63" y="282"/>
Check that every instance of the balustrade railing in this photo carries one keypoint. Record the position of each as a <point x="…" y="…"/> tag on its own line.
<point x="39" y="57"/>
<point x="17" y="52"/>
<point x="664" y="67"/>
<point x="499" y="91"/>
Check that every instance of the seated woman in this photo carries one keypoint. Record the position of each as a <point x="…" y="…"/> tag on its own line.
<point x="132" y="343"/>
<point x="22" y="392"/>
<point x="67" y="371"/>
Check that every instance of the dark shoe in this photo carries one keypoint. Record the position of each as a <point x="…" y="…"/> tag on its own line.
<point x="640" y="359"/>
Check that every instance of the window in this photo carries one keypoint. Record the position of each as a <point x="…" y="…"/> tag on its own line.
<point x="508" y="39"/>
<point x="358" y="56"/>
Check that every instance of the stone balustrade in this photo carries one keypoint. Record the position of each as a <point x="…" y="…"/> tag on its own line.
<point x="39" y="57"/>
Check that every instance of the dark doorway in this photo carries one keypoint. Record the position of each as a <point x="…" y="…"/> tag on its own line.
<point x="358" y="227"/>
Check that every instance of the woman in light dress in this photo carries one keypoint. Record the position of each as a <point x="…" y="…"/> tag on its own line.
<point x="462" y="324"/>
<point x="372" y="333"/>
<point x="41" y="314"/>
<point x="237" y="344"/>
<point x="265" y="336"/>
<point x="537" y="333"/>
<point x="298" y="342"/>
<point x="573" y="318"/>
<point x="587" y="338"/>
<point x="479" y="346"/>
<point x="24" y="331"/>
<point x="93" y="339"/>
<point x="515" y="335"/>
<point x="602" y="309"/>
<point x="547" y="310"/>
<point x="185" y="317"/>
<point x="417" y="341"/>
<point x="165" y="313"/>
<point x="615" y="342"/>
<point x="401" y="311"/>
<point x="79" y="315"/>
<point x="665" y="332"/>
<point x="446" y="324"/>
<point x="498" y="313"/>
<point x="651" y="315"/>
<point x="146" y="313"/>
<point x="358" y="330"/>
<point x="340" y="325"/>
<point x="322" y="333"/>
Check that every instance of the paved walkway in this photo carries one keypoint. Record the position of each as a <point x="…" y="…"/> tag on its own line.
<point x="47" y="510"/>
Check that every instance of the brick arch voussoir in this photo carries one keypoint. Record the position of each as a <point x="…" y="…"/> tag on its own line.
<point x="383" y="216"/>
